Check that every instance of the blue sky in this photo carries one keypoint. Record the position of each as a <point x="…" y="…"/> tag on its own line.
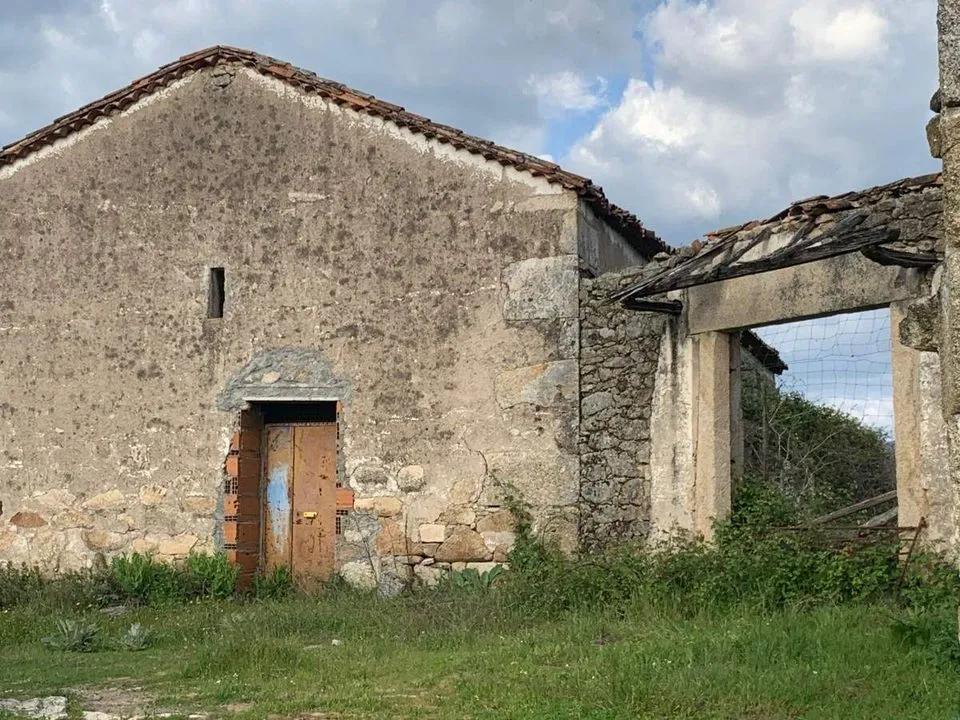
<point x="843" y="361"/>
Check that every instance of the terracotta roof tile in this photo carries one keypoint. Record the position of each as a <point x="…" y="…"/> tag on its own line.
<point x="898" y="223"/>
<point x="643" y="240"/>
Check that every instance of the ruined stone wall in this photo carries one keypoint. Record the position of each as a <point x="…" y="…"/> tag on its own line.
<point x="938" y="324"/>
<point x="433" y="292"/>
<point x="619" y="356"/>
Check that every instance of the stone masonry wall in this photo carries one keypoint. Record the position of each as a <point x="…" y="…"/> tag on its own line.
<point x="619" y="351"/>
<point x="432" y="292"/>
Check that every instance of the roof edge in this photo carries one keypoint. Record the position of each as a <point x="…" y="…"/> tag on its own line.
<point x="643" y="240"/>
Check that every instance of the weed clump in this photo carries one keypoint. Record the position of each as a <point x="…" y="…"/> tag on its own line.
<point x="273" y="585"/>
<point x="137" y="637"/>
<point x="74" y="636"/>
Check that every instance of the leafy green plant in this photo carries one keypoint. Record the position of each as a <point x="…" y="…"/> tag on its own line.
<point x="471" y="579"/>
<point x="933" y="632"/>
<point x="211" y="575"/>
<point x="137" y="637"/>
<point x="143" y="579"/>
<point x="74" y="636"/>
<point x="276" y="584"/>
<point x="815" y="457"/>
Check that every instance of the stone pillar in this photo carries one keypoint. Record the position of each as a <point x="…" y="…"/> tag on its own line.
<point x="712" y="455"/>
<point x="906" y="425"/>
<point x="947" y="133"/>
<point x="736" y="414"/>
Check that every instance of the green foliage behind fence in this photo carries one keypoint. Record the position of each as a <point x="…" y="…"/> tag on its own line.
<point x="815" y="457"/>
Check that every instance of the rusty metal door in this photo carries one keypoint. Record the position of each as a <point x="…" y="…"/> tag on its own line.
<point x="300" y="511"/>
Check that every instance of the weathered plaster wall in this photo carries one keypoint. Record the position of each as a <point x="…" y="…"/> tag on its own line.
<point x="621" y="363"/>
<point x="435" y="291"/>
<point x="673" y="425"/>
<point x="603" y="249"/>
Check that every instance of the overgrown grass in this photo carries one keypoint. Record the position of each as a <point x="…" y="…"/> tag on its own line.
<point x="475" y="655"/>
<point x="755" y="626"/>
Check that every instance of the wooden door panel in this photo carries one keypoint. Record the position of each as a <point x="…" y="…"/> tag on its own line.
<point x="314" y="500"/>
<point x="279" y="471"/>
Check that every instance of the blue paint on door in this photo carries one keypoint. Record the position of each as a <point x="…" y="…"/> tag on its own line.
<point x="278" y="503"/>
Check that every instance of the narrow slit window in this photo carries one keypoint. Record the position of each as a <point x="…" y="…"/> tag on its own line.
<point x="215" y="293"/>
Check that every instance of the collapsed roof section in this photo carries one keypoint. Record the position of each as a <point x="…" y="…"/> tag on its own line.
<point x="766" y="355"/>
<point x="895" y="224"/>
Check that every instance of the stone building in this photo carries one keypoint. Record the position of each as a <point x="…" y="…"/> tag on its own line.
<point x="243" y="307"/>
<point x="246" y="308"/>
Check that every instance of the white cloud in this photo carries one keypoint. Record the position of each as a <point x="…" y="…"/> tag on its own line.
<point x="751" y="105"/>
<point x="109" y="16"/>
<point x="822" y="33"/>
<point x="569" y="91"/>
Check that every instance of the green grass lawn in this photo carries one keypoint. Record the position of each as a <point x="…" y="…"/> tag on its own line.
<point x="464" y="656"/>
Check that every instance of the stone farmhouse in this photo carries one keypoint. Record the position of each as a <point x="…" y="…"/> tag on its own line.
<point x="246" y="308"/>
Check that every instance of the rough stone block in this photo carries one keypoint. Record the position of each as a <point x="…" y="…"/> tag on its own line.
<point x="382" y="506"/>
<point x="392" y="540"/>
<point x="595" y="402"/>
<point x="461" y="516"/>
<point x="359" y="574"/>
<point x="101" y="540"/>
<point x="464" y="545"/>
<point x="199" y="505"/>
<point x="410" y="478"/>
<point x="541" y="288"/>
<point x="432" y="533"/>
<point x="177" y="546"/>
<point x="544" y="385"/>
<point x="428" y="574"/>
<point x="109" y="500"/>
<point x="948" y="24"/>
<point x="71" y="518"/>
<point x="934" y="138"/>
<point x="145" y="545"/>
<point x="27" y="520"/>
<point x="151" y="495"/>
<point x="50" y="502"/>
<point x="499" y="521"/>
<point x="370" y="475"/>
<point x="499" y="541"/>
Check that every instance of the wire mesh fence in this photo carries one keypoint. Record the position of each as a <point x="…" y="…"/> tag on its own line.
<point x="842" y="361"/>
<point x="819" y="431"/>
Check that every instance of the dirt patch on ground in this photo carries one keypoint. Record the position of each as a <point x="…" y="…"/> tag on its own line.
<point x="116" y="700"/>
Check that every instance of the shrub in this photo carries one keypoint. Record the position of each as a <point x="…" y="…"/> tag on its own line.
<point x="470" y="580"/>
<point x="88" y="588"/>
<point x="932" y="632"/>
<point x="19" y="585"/>
<point x="143" y="579"/>
<point x="211" y="576"/>
<point x="762" y="568"/>
<point x="816" y="457"/>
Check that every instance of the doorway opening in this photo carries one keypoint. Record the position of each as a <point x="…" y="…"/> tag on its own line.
<point x="816" y="437"/>
<point x="283" y="496"/>
<point x="299" y="482"/>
